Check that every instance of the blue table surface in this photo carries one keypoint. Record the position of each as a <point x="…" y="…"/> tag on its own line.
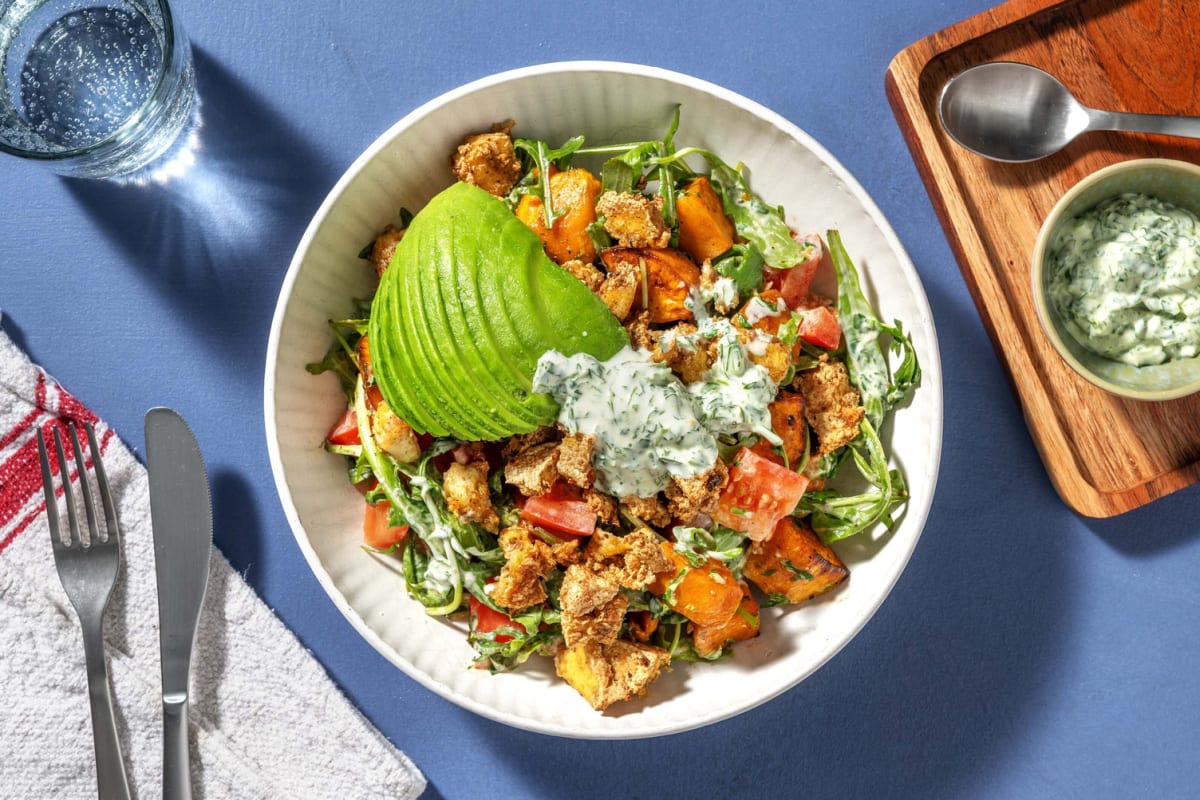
<point x="1025" y="652"/>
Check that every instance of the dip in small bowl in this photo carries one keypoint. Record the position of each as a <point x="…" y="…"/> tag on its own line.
<point x="1116" y="278"/>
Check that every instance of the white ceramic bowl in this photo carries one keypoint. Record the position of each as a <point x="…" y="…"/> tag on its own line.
<point x="407" y="165"/>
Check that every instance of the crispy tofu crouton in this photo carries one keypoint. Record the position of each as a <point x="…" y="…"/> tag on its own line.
<point x="768" y="352"/>
<point x="651" y="510"/>
<point x="601" y="626"/>
<point x="619" y="290"/>
<point x="467" y="495"/>
<point x="593" y="608"/>
<point x="393" y="434"/>
<point x="633" y="560"/>
<point x="528" y="560"/>
<point x="831" y="404"/>
<point x="588" y="274"/>
<point x="604" y="506"/>
<point x="680" y="353"/>
<point x="584" y="591"/>
<point x="641" y="335"/>
<point x="794" y="563"/>
<point x="567" y="552"/>
<point x="687" y="497"/>
<point x="488" y="160"/>
<point x="633" y="219"/>
<point x="521" y="442"/>
<point x="384" y="247"/>
<point x="534" y="470"/>
<point x="609" y="674"/>
<point x="575" y="459"/>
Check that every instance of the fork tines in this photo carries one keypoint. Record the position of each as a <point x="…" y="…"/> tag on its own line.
<point x="95" y="534"/>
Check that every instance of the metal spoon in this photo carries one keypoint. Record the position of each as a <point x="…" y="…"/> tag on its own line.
<point x="1014" y="112"/>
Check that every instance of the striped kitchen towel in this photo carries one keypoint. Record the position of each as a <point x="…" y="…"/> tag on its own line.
<point x="266" y="720"/>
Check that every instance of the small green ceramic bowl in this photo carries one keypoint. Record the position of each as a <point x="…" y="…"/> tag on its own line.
<point x="1176" y="182"/>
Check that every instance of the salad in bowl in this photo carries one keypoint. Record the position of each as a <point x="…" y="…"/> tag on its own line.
<point x="597" y="410"/>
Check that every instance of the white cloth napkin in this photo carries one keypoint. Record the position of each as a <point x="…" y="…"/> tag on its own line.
<point x="266" y="721"/>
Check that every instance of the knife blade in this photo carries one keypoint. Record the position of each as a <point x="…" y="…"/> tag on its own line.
<point x="181" y="515"/>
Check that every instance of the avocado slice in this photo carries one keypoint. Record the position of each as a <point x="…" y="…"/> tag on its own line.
<point x="428" y="337"/>
<point x="464" y="312"/>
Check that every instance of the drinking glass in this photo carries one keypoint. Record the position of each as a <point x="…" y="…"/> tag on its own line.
<point x="93" y="88"/>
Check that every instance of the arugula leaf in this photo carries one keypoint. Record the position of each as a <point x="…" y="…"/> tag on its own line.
<point x="446" y="555"/>
<point x="834" y="516"/>
<point x="722" y="544"/>
<point x="543" y="156"/>
<point x="744" y="264"/>
<point x="866" y="354"/>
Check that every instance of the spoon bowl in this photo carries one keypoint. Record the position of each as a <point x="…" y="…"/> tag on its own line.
<point x="1014" y="112"/>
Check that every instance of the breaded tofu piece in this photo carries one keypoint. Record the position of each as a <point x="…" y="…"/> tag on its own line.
<point x="620" y="289"/>
<point x="651" y="510"/>
<point x="633" y="560"/>
<point x="641" y="335"/>
<point x="467" y="494"/>
<point x="592" y="606"/>
<point x="607" y="674"/>
<point x="528" y="560"/>
<point x="687" y="497"/>
<point x="575" y="459"/>
<point x="633" y="219"/>
<point x="488" y="160"/>
<point x="831" y="404"/>
<point x="384" y="247"/>
<point x="767" y="351"/>
<point x="394" y="435"/>
<point x="534" y="470"/>
<point x="604" y="506"/>
<point x="588" y="274"/>
<point x="519" y="443"/>
<point x="678" y="351"/>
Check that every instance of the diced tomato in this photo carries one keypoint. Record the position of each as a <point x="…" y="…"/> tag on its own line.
<point x="346" y="429"/>
<point x="820" y="327"/>
<point x="758" y="495"/>
<point x="794" y="283"/>
<point x="562" y="510"/>
<point x="377" y="532"/>
<point x="487" y="619"/>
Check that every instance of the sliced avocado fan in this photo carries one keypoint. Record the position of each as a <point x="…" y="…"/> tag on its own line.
<point x="468" y="305"/>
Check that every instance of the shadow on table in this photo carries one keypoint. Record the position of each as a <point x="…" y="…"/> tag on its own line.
<point x="934" y="692"/>
<point x="218" y="238"/>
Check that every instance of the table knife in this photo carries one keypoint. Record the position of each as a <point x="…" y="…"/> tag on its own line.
<point x="181" y="514"/>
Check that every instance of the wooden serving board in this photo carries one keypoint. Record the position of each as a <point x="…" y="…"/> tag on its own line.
<point x="1105" y="455"/>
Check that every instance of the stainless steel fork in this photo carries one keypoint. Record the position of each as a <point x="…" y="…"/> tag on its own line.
<point x="88" y="571"/>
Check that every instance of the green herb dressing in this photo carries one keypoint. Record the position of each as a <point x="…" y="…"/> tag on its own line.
<point x="649" y="427"/>
<point x="1125" y="279"/>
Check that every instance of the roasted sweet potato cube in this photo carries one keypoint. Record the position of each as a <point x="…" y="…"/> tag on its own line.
<point x="665" y="278"/>
<point x="794" y="563"/>
<point x="708" y="639"/>
<point x="573" y="195"/>
<point x="787" y="420"/>
<point x="707" y="594"/>
<point x="607" y="674"/>
<point x="704" y="230"/>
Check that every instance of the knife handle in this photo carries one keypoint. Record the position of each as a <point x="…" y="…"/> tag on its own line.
<point x="177" y="776"/>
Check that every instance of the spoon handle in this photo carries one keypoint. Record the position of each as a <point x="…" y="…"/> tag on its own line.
<point x="1166" y="124"/>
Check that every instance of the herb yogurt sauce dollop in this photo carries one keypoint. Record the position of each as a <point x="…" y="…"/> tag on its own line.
<point x="1125" y="279"/>
<point x="649" y="427"/>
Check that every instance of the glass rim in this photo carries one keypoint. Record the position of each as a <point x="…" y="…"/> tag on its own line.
<point x="135" y="119"/>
